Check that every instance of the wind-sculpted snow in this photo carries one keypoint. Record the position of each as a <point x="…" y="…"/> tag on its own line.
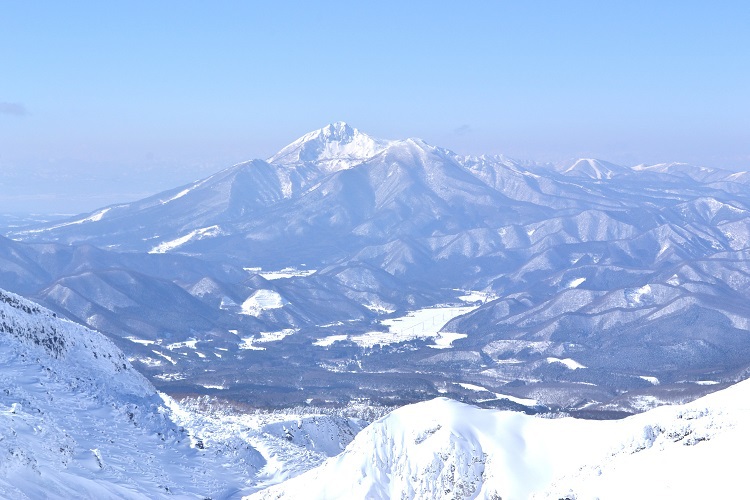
<point x="445" y="449"/>
<point x="67" y="346"/>
<point x="76" y="420"/>
<point x="291" y="441"/>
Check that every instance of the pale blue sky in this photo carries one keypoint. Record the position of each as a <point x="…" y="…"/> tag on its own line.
<point x="135" y="97"/>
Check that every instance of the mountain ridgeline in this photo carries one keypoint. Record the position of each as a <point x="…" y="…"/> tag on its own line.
<point x="586" y="285"/>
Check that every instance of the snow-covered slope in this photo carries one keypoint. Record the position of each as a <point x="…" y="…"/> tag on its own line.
<point x="445" y="449"/>
<point x="216" y="207"/>
<point x="77" y="421"/>
<point x="698" y="173"/>
<point x="592" y="168"/>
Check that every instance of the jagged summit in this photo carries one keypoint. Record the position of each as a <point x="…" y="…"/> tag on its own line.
<point x="338" y="131"/>
<point x="337" y="146"/>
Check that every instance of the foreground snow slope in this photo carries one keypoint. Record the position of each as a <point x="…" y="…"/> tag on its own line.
<point x="77" y="421"/>
<point x="446" y="449"/>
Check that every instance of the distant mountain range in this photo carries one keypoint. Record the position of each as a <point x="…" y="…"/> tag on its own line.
<point x="584" y="285"/>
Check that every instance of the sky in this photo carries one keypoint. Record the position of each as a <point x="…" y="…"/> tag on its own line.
<point x="105" y="102"/>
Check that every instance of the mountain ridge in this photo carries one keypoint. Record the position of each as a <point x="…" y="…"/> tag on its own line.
<point x="444" y="448"/>
<point x="568" y="259"/>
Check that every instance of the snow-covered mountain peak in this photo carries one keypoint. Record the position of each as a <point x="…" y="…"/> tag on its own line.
<point x="337" y="146"/>
<point x="443" y="448"/>
<point x="592" y="168"/>
<point x="338" y="131"/>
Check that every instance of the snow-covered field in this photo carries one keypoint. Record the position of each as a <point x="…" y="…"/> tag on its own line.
<point x="472" y="296"/>
<point x="497" y="396"/>
<point x="265" y="337"/>
<point x="287" y="272"/>
<point x="328" y="341"/>
<point x="570" y="364"/>
<point x="419" y="324"/>
<point x="262" y="300"/>
<point x="198" y="234"/>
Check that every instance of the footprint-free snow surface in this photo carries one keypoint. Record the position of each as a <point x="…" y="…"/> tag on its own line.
<point x="77" y="421"/>
<point x="445" y="449"/>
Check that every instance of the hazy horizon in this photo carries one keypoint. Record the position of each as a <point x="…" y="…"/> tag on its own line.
<point x="103" y="104"/>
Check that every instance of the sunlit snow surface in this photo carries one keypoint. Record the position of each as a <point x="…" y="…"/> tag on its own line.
<point x="419" y="324"/>
<point x="571" y="364"/>
<point x="479" y="388"/>
<point x="287" y="272"/>
<point x="290" y="441"/>
<point x="445" y="449"/>
<point x="651" y="380"/>
<point x="140" y="341"/>
<point x="183" y="192"/>
<point x="265" y="337"/>
<point x="473" y="296"/>
<point x="77" y="421"/>
<point x="95" y="217"/>
<point x="198" y="234"/>
<point x="576" y="282"/>
<point x="327" y="341"/>
<point x="334" y="147"/>
<point x="637" y="295"/>
<point x="262" y="300"/>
